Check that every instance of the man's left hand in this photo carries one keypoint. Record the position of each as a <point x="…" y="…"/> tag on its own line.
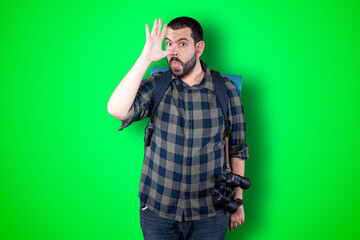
<point x="237" y="218"/>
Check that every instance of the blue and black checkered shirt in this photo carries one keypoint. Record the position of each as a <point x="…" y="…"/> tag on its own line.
<point x="187" y="149"/>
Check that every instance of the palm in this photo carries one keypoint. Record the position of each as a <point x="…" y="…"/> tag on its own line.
<point x="153" y="46"/>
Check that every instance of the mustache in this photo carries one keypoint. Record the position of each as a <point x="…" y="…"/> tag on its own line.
<point x="176" y="59"/>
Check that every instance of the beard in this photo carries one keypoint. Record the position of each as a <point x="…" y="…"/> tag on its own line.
<point x="187" y="67"/>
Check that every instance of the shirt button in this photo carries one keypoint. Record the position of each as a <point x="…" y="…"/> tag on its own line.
<point x="189" y="106"/>
<point x="189" y="124"/>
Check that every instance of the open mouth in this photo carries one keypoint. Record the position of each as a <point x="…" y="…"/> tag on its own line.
<point x="175" y="65"/>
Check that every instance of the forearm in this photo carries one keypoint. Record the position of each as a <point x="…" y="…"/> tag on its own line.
<point x="238" y="167"/>
<point x="124" y="95"/>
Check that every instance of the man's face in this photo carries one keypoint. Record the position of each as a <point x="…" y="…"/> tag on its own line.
<point x="183" y="61"/>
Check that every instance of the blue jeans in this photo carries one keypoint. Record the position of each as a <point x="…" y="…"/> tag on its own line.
<point x="155" y="227"/>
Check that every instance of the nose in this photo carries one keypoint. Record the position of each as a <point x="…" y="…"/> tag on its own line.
<point x="174" y="50"/>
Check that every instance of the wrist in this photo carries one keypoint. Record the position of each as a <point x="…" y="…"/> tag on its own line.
<point x="238" y="193"/>
<point x="145" y="60"/>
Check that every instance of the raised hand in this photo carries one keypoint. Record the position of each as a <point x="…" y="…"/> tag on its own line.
<point x="152" y="50"/>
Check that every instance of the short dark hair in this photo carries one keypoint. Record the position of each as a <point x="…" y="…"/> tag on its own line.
<point x="182" y="22"/>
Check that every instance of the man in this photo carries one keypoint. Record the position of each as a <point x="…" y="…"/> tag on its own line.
<point x="187" y="149"/>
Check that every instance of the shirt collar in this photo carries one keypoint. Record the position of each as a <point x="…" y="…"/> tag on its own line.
<point x="206" y="82"/>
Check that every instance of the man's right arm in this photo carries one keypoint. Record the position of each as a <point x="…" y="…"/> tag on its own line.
<point x="124" y="94"/>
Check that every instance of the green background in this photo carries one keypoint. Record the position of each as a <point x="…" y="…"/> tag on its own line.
<point x="67" y="173"/>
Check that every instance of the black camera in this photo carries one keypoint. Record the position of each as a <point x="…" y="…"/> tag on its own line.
<point x="224" y="188"/>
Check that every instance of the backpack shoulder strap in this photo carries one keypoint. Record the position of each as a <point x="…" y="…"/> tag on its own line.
<point x="161" y="85"/>
<point x="222" y="96"/>
<point x="160" y="88"/>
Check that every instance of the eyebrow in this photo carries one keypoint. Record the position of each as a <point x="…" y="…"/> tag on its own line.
<point x="177" y="40"/>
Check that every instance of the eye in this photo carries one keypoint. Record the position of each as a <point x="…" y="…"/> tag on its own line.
<point x="182" y="44"/>
<point x="168" y="44"/>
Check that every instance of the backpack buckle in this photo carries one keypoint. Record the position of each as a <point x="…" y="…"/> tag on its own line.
<point x="148" y="134"/>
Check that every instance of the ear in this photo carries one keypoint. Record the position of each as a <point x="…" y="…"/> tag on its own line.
<point x="200" y="48"/>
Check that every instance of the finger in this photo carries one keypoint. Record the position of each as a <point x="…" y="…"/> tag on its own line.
<point x="159" y="27"/>
<point x="147" y="31"/>
<point x="153" y="31"/>
<point x="163" y="31"/>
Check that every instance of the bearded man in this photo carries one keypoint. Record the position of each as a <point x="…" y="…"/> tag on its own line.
<point x="187" y="147"/>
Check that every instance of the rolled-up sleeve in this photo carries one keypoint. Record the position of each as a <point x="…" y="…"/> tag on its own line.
<point x="142" y="103"/>
<point x="238" y="147"/>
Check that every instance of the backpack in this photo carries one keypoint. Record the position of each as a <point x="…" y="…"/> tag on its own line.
<point x="221" y="94"/>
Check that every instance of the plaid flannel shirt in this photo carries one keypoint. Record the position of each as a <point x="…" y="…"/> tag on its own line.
<point x="187" y="149"/>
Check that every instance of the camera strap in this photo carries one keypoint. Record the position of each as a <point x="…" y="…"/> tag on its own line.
<point x="227" y="153"/>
